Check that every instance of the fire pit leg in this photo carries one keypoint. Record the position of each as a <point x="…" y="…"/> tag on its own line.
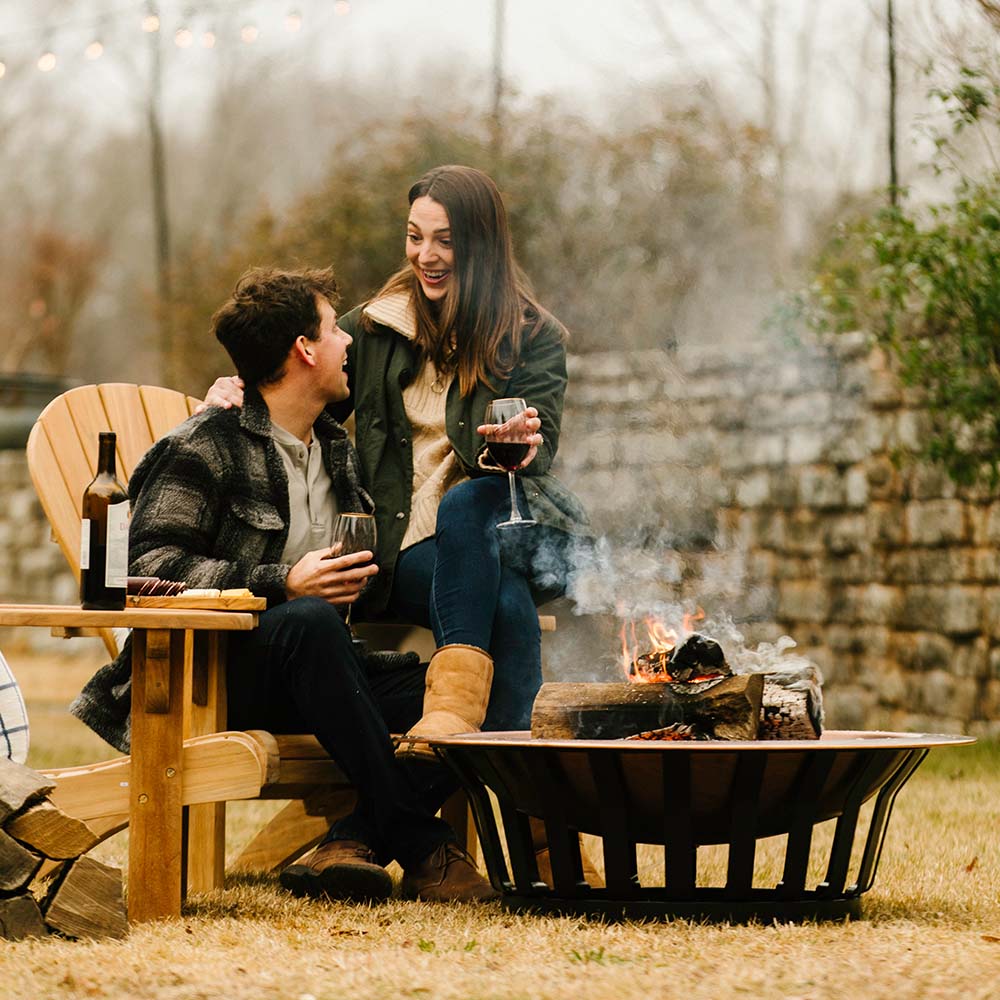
<point x="880" y="819"/>
<point x="517" y="830"/>
<point x="815" y="771"/>
<point x="680" y="852"/>
<point x="747" y="783"/>
<point x="620" y="864"/>
<point x="870" y="767"/>
<point x="486" y="824"/>
<point x="564" y="842"/>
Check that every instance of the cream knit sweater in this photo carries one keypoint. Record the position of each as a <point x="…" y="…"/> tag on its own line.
<point x="435" y="467"/>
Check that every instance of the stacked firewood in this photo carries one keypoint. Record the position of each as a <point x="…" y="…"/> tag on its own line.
<point x="78" y="897"/>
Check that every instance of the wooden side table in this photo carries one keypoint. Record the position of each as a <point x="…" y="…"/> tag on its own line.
<point x="178" y="691"/>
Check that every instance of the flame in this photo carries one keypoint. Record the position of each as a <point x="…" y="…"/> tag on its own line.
<point x="655" y="648"/>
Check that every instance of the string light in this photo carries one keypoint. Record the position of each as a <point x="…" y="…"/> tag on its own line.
<point x="151" y="22"/>
<point x="342" y="7"/>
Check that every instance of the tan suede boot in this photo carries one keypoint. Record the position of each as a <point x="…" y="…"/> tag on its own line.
<point x="540" y="843"/>
<point x="455" y="699"/>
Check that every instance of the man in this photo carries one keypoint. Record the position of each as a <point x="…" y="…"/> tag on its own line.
<point x="247" y="498"/>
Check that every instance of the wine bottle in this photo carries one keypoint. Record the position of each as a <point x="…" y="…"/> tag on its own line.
<point x="104" y="535"/>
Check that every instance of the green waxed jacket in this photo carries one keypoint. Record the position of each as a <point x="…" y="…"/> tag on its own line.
<point x="381" y="362"/>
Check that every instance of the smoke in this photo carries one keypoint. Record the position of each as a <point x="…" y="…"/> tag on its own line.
<point x="611" y="584"/>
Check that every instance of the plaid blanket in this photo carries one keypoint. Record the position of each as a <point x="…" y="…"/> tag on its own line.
<point x="13" y="716"/>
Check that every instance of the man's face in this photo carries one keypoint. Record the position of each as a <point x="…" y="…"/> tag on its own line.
<point x="330" y="352"/>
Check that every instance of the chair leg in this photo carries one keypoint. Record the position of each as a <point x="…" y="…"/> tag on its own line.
<point x="205" y="703"/>
<point x="299" y="826"/>
<point x="205" y="829"/>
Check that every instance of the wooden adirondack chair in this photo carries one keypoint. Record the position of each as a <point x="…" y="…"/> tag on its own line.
<point x="218" y="766"/>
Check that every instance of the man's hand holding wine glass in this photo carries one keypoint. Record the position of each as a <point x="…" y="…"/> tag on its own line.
<point x="338" y="579"/>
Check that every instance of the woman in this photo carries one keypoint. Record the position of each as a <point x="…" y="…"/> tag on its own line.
<point x="453" y="329"/>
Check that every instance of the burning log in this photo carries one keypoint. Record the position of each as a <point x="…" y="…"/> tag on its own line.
<point x="726" y="709"/>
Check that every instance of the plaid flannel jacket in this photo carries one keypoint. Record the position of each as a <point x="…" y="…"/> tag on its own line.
<point x="210" y="507"/>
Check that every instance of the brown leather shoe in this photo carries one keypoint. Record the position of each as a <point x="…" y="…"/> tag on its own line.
<point x="447" y="875"/>
<point x="340" y="869"/>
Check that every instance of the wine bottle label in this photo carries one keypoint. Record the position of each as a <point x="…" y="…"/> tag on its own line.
<point x="85" y="543"/>
<point x="116" y="565"/>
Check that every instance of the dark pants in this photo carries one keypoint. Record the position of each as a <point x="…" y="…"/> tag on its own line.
<point x="474" y="584"/>
<point x="297" y="672"/>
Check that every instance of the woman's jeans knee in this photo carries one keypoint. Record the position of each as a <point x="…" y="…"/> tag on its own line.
<point x="478" y="586"/>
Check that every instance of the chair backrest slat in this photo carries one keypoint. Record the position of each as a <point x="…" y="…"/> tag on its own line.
<point x="127" y="418"/>
<point x="164" y="409"/>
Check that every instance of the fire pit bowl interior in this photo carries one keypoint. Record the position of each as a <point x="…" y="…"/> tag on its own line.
<point x="682" y="795"/>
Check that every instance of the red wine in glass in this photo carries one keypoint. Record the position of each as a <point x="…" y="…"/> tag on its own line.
<point x="353" y="533"/>
<point x="507" y="454"/>
<point x="508" y="445"/>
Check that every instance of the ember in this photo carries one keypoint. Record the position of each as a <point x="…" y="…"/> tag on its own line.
<point x="678" y="731"/>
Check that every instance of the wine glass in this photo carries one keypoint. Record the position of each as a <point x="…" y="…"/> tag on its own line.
<point x="508" y="445"/>
<point x="353" y="533"/>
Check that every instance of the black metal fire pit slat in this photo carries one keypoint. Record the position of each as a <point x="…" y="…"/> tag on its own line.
<point x="620" y="865"/>
<point x="564" y="842"/>
<point x="680" y="852"/>
<point x="868" y="767"/>
<point x="517" y="830"/>
<point x="880" y="821"/>
<point x="747" y="779"/>
<point x="809" y="787"/>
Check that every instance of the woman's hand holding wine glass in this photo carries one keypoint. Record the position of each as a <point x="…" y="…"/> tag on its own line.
<point x="511" y="430"/>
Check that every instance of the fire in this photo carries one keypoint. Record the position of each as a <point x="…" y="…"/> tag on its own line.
<point x="644" y="661"/>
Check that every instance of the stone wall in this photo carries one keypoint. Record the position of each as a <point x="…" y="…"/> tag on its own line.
<point x="763" y="486"/>
<point x="760" y="486"/>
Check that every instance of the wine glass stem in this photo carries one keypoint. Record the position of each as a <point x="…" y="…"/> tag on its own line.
<point x="515" y="514"/>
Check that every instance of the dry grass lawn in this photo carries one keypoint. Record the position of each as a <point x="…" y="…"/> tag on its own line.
<point x="931" y="926"/>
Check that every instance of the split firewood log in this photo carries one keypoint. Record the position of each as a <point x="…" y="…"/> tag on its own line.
<point x="20" y="917"/>
<point x="84" y="898"/>
<point x="792" y="704"/>
<point x="46" y="829"/>
<point x="728" y="709"/>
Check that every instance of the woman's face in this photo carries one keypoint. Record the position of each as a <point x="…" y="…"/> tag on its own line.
<point x="428" y="247"/>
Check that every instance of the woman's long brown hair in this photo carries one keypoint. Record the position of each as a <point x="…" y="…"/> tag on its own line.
<point x="490" y="308"/>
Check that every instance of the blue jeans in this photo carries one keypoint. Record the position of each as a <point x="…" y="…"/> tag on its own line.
<point x="476" y="585"/>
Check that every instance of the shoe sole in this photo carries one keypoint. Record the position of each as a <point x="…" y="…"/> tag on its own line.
<point x="351" y="883"/>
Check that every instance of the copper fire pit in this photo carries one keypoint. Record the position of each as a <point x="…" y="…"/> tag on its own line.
<point x="682" y="795"/>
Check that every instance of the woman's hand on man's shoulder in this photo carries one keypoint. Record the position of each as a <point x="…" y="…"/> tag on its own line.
<point x="226" y="392"/>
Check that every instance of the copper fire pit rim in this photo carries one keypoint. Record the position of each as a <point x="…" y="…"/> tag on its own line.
<point x="832" y="739"/>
